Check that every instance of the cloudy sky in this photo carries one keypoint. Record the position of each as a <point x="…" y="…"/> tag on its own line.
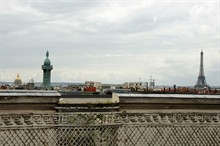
<point x="111" y="41"/>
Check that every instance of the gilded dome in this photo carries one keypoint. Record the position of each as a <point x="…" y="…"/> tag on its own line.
<point x="18" y="77"/>
<point x="17" y="81"/>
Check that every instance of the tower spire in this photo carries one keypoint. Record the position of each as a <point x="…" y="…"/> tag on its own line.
<point x="201" y="81"/>
<point x="47" y="54"/>
<point x="47" y="67"/>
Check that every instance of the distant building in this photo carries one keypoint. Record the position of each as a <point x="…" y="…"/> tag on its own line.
<point x="18" y="81"/>
<point x="30" y="85"/>
<point x="47" y="67"/>
<point x="201" y="81"/>
<point x="98" y="85"/>
<point x="152" y="83"/>
<point x="93" y="86"/>
<point x="145" y="84"/>
<point x="134" y="85"/>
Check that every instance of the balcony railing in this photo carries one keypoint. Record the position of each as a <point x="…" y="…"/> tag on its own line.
<point x="110" y="129"/>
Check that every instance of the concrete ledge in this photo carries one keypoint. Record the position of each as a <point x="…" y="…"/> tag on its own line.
<point x="32" y="93"/>
<point x="168" y="102"/>
<point x="167" y="98"/>
<point x="28" y="101"/>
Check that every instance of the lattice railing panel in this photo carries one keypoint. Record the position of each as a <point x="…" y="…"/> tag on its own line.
<point x="28" y="137"/>
<point x="110" y="129"/>
<point x="169" y="135"/>
<point x="60" y="136"/>
<point x="88" y="136"/>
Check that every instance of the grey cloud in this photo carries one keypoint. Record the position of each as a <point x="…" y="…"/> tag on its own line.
<point x="64" y="7"/>
<point x="110" y="41"/>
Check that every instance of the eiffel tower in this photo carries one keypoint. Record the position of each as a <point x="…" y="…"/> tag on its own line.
<point x="201" y="82"/>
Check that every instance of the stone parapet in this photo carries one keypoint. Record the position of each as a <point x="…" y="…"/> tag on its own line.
<point x="26" y="101"/>
<point x="168" y="103"/>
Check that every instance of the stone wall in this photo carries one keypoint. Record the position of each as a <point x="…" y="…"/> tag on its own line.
<point x="28" y="101"/>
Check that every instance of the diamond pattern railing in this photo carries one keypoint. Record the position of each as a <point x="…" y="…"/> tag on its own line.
<point x="60" y="136"/>
<point x="110" y="129"/>
<point x="169" y="135"/>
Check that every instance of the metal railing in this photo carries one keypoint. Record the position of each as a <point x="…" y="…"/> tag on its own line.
<point x="110" y="129"/>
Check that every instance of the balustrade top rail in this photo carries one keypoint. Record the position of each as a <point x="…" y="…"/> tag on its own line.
<point x="36" y="93"/>
<point x="173" y="96"/>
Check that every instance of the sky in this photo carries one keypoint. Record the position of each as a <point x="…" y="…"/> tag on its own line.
<point x="111" y="41"/>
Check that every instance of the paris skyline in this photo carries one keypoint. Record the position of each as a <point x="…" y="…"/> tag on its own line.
<point x="111" y="41"/>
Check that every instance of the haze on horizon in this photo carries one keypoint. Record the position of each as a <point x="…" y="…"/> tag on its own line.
<point x="111" y="41"/>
